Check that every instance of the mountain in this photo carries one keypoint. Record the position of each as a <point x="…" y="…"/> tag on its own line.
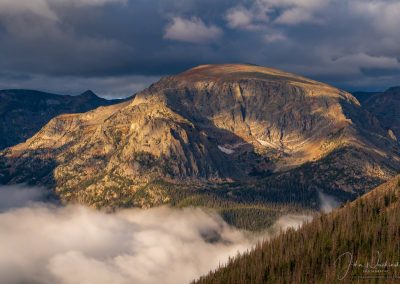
<point x="386" y="107"/>
<point x="359" y="242"/>
<point x="25" y="112"/>
<point x="220" y="136"/>
<point x="363" y="96"/>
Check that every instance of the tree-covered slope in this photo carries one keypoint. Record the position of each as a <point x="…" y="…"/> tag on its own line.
<point x="360" y="241"/>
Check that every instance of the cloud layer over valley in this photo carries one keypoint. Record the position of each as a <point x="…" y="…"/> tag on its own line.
<point x="44" y="243"/>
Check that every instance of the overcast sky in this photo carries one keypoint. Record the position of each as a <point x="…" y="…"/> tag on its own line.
<point x="117" y="47"/>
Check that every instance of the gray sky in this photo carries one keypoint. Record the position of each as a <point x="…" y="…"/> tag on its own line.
<point x="117" y="47"/>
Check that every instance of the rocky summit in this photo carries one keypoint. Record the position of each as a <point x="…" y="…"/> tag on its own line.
<point x="241" y="129"/>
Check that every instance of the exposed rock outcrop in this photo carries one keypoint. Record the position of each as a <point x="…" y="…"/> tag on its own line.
<point x="210" y="124"/>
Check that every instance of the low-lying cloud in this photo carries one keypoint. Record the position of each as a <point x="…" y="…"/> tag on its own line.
<point x="79" y="245"/>
<point x="291" y="221"/>
<point x="14" y="196"/>
<point x="327" y="202"/>
<point x="42" y="243"/>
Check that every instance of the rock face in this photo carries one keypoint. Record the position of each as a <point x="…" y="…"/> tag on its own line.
<point x="211" y="124"/>
<point x="386" y="107"/>
<point x="25" y="112"/>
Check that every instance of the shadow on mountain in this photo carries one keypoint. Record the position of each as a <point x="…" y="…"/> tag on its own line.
<point x="229" y="142"/>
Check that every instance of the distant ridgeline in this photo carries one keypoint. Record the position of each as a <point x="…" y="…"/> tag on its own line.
<point x="386" y="107"/>
<point x="25" y="112"/>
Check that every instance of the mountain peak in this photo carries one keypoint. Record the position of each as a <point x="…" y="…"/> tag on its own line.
<point x="385" y="106"/>
<point x="232" y="72"/>
<point x="393" y="90"/>
<point x="89" y="94"/>
<point x="213" y="123"/>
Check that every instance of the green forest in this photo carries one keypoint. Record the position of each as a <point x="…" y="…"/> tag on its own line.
<point x="356" y="243"/>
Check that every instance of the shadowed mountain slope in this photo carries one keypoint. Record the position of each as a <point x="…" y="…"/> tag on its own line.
<point x="363" y="96"/>
<point x="386" y="107"/>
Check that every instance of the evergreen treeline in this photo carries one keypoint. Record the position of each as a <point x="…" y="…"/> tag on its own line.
<point x="362" y="236"/>
<point x="246" y="206"/>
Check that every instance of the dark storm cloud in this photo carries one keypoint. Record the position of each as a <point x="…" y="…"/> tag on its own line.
<point x="352" y="44"/>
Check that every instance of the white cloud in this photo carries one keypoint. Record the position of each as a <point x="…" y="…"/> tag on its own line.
<point x="44" y="8"/>
<point x="87" y="2"/>
<point x="384" y="14"/>
<point x="291" y="221"/>
<point x="295" y="16"/>
<point x="36" y="7"/>
<point x="254" y="17"/>
<point x="274" y="37"/>
<point x="265" y="13"/>
<point x="351" y="64"/>
<point x="80" y="245"/>
<point x="192" y="30"/>
<point x="74" y="244"/>
<point x="364" y="60"/>
<point x="29" y="24"/>
<point x="239" y="17"/>
<point x="328" y="203"/>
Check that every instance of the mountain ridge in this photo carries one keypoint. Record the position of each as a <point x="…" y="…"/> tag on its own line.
<point x="213" y="124"/>
<point x="29" y="110"/>
<point x="386" y="107"/>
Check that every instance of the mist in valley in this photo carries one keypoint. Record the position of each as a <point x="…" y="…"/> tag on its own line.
<point x="45" y="243"/>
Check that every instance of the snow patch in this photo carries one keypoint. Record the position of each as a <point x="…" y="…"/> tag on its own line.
<point x="226" y="150"/>
<point x="267" y="144"/>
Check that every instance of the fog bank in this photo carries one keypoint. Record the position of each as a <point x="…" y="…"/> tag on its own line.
<point x="43" y="243"/>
